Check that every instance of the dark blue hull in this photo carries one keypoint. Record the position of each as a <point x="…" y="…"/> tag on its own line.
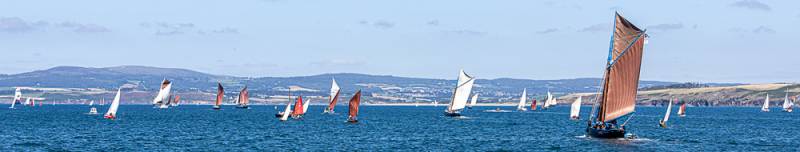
<point x="605" y="133"/>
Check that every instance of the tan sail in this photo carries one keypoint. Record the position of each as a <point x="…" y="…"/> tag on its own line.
<point x="354" y="103"/>
<point x="220" y="95"/>
<point x="244" y="97"/>
<point x="622" y="74"/>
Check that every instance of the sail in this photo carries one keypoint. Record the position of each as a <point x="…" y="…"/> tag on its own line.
<point x="669" y="109"/>
<point x="682" y="109"/>
<point x="765" y="107"/>
<point x="305" y="105"/>
<point x="548" y="101"/>
<point x="91" y="103"/>
<point x="621" y="79"/>
<point x="474" y="100"/>
<point x="334" y="96"/>
<point x="112" y="110"/>
<point x="286" y="111"/>
<point x="163" y="93"/>
<point x="298" y="106"/>
<point x="522" y="99"/>
<point x="220" y="94"/>
<point x="177" y="100"/>
<point x="576" y="108"/>
<point x="787" y="104"/>
<point x="354" y="102"/>
<point x="244" y="97"/>
<point x="533" y="104"/>
<point x="461" y="92"/>
<point x="17" y="96"/>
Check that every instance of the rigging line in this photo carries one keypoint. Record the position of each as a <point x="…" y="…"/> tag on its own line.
<point x="626" y="49"/>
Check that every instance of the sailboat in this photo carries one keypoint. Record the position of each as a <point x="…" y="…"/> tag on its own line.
<point x="17" y="98"/>
<point x="176" y="101"/>
<point x="473" y="101"/>
<point x="460" y="94"/>
<point x="575" y="111"/>
<point x="284" y="115"/>
<point x="617" y="97"/>
<point x="682" y="110"/>
<point x="297" y="112"/>
<point x="220" y="96"/>
<point x="244" y="99"/>
<point x="521" y="104"/>
<point x="352" y="116"/>
<point x="533" y="104"/>
<point x="663" y="122"/>
<point x="787" y="104"/>
<point x="765" y="106"/>
<point x="93" y="110"/>
<point x="162" y="99"/>
<point x="549" y="101"/>
<point x="333" y="98"/>
<point x="112" y="110"/>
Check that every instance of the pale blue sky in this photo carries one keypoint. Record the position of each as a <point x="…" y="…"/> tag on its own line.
<point x="707" y="41"/>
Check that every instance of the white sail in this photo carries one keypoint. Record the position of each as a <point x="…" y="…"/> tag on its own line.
<point x="549" y="101"/>
<point x="18" y="95"/>
<point x="461" y="92"/>
<point x="765" y="107"/>
<point x="334" y="90"/>
<point x="521" y="104"/>
<point x="669" y="109"/>
<point x="305" y="105"/>
<point x="91" y="103"/>
<point x="163" y="95"/>
<point x="576" y="108"/>
<point x="287" y="111"/>
<point x="12" y="104"/>
<point x="474" y="100"/>
<point x="787" y="104"/>
<point x="112" y="110"/>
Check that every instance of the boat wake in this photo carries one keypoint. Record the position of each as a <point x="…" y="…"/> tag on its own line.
<point x="497" y="111"/>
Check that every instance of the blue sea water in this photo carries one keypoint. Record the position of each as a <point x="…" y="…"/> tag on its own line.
<point x="386" y="128"/>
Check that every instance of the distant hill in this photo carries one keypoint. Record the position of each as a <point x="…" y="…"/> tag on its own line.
<point x="702" y="95"/>
<point x="381" y="88"/>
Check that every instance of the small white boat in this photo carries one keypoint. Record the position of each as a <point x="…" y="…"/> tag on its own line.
<point x="787" y="104"/>
<point x="333" y="97"/>
<point x="112" y="110"/>
<point x="497" y="110"/>
<point x="765" y="106"/>
<point x="92" y="110"/>
<point x="521" y="104"/>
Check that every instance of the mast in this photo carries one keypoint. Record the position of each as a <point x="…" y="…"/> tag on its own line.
<point x="522" y="99"/>
<point x="353" y="108"/>
<point x="334" y="96"/>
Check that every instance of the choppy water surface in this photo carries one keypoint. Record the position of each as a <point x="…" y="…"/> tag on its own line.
<point x="406" y="128"/>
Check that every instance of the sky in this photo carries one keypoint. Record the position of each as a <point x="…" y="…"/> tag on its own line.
<point x="745" y="41"/>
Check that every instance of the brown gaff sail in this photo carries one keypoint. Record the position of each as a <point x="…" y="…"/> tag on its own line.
<point x="244" y="97"/>
<point x="354" y="102"/>
<point x="333" y="102"/>
<point x="533" y="104"/>
<point x="298" y="107"/>
<point x="220" y="95"/>
<point x="621" y="81"/>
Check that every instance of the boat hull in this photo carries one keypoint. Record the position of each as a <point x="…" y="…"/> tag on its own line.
<point x="605" y="133"/>
<point x="243" y="107"/>
<point x="278" y="115"/>
<point x="452" y="114"/>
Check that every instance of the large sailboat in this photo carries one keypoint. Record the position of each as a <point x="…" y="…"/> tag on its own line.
<point x="244" y="99"/>
<point x="460" y="94"/>
<point x="333" y="98"/>
<point x="663" y="122"/>
<point x="617" y="97"/>
<point x="162" y="99"/>
<point x="473" y="101"/>
<point x="220" y="96"/>
<point x="522" y="99"/>
<point x="765" y="106"/>
<point x="574" y="112"/>
<point x="352" y="115"/>
<point x="112" y="110"/>
<point x="682" y="110"/>
<point x="787" y="104"/>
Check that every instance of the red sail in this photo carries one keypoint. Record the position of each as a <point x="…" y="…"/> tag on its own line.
<point x="220" y="94"/>
<point x="533" y="104"/>
<point x="177" y="99"/>
<point x="622" y="74"/>
<point x="333" y="102"/>
<point x="244" y="97"/>
<point x="298" y="106"/>
<point x="354" y="102"/>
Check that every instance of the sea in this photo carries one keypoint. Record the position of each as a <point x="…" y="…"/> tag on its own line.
<point x="387" y="128"/>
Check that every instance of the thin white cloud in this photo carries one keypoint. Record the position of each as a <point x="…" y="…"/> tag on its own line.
<point x="666" y="26"/>
<point x="595" y="28"/>
<point x="169" y="29"/>
<point x="752" y="4"/>
<point x="382" y="24"/>
<point x="465" y="32"/>
<point x="19" y="25"/>
<point x="550" y="30"/>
